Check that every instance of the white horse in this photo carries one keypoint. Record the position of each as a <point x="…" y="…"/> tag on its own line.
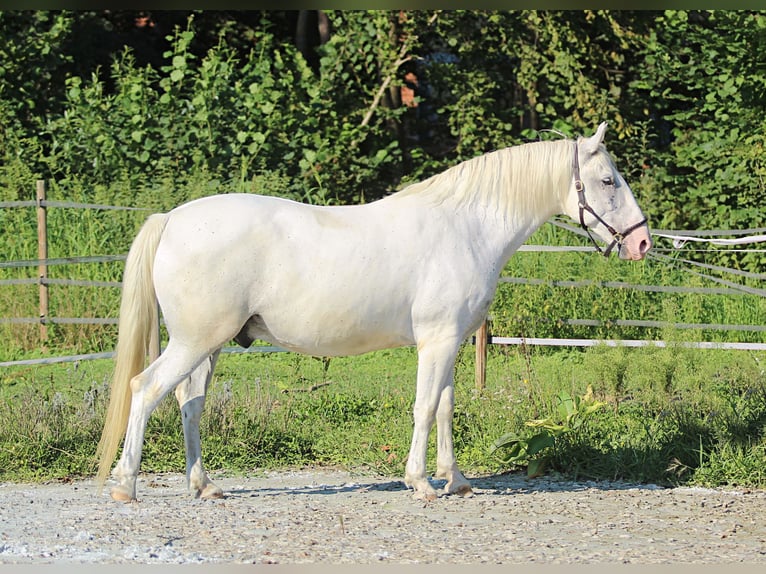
<point x="419" y="267"/>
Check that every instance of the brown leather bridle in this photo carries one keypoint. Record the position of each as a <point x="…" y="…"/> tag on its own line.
<point x="617" y="237"/>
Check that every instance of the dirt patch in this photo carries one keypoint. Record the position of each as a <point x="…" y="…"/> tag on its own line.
<point x="326" y="516"/>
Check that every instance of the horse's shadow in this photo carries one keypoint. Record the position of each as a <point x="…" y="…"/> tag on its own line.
<point x="325" y="489"/>
<point x="503" y="484"/>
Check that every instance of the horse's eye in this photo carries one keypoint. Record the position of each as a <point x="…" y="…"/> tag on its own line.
<point x="608" y="181"/>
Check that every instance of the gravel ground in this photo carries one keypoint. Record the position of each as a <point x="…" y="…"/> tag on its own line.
<point x="328" y="516"/>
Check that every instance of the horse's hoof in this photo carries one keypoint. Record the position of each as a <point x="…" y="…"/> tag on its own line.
<point x="464" y="490"/>
<point x="122" y="494"/>
<point x="461" y="488"/>
<point x="422" y="489"/>
<point x="211" y="492"/>
<point x="426" y="495"/>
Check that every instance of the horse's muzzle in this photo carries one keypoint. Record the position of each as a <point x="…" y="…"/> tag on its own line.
<point x="636" y="245"/>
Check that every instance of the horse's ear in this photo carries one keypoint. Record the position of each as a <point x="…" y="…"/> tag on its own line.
<point x="596" y="139"/>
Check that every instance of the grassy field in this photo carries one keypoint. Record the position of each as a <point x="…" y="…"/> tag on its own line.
<point x="664" y="415"/>
<point x="669" y="415"/>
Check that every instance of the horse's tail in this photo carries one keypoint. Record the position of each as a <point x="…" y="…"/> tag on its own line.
<point x="137" y="331"/>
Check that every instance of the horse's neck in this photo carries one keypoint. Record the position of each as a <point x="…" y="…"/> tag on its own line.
<point x="521" y="182"/>
<point x="498" y="199"/>
<point x="509" y="193"/>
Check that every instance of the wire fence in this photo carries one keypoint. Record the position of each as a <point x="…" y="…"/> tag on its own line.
<point x="679" y="239"/>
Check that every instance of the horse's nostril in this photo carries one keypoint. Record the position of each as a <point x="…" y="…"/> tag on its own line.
<point x="644" y="246"/>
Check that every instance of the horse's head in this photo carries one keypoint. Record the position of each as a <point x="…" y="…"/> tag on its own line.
<point x="602" y="201"/>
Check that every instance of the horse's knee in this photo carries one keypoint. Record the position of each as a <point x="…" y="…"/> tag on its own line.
<point x="446" y="402"/>
<point x="424" y="417"/>
<point x="137" y="384"/>
<point x="146" y="392"/>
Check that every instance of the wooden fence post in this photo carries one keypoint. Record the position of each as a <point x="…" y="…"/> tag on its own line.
<point x="42" y="255"/>
<point x="481" y="355"/>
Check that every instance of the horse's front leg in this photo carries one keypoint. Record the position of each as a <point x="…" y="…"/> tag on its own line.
<point x="191" y="398"/>
<point x="446" y="465"/>
<point x="436" y="362"/>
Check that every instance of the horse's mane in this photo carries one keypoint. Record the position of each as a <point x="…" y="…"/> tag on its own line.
<point x="525" y="177"/>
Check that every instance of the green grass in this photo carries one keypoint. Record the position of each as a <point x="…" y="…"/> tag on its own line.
<point x="673" y="416"/>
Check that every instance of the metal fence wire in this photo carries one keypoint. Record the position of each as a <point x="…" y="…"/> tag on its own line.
<point x="679" y="239"/>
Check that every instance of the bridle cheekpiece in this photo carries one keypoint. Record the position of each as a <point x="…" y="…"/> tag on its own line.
<point x="617" y="237"/>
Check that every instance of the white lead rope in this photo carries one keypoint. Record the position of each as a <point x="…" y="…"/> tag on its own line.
<point x="680" y="240"/>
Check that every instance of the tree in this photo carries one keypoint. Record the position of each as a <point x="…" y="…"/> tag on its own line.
<point x="702" y="90"/>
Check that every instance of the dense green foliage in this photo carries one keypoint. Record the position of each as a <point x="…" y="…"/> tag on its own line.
<point x="229" y="99"/>
<point x="712" y="96"/>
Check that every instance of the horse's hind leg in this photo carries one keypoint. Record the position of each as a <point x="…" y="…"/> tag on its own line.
<point x="191" y="398"/>
<point x="148" y="388"/>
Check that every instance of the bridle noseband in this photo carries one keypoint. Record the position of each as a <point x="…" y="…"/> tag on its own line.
<point x="617" y="237"/>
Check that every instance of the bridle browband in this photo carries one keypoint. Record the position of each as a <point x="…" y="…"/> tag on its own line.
<point x="617" y="237"/>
